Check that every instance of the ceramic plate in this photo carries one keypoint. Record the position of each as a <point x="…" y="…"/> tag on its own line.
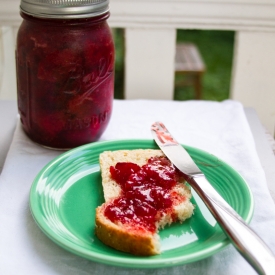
<point x="66" y="192"/>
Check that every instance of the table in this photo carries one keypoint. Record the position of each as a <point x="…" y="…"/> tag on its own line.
<point x="8" y="118"/>
<point x="24" y="247"/>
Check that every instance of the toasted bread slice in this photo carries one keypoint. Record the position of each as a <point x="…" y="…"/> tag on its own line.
<point x="127" y="238"/>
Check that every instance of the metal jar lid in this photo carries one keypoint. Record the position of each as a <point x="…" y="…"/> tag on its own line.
<point x="64" y="8"/>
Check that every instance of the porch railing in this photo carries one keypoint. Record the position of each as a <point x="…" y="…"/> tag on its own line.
<point x="150" y="38"/>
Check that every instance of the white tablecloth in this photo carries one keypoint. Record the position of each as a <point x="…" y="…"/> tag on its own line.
<point x="219" y="128"/>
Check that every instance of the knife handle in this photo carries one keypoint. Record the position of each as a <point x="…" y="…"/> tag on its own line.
<point x="247" y="242"/>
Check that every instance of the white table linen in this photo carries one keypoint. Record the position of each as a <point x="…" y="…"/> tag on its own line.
<point x="219" y="128"/>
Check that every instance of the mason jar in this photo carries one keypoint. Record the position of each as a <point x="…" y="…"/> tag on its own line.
<point x="65" y="71"/>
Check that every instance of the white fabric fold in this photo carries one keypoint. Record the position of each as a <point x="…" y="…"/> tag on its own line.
<point x="219" y="128"/>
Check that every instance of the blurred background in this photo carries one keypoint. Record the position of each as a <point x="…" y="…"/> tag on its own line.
<point x="216" y="50"/>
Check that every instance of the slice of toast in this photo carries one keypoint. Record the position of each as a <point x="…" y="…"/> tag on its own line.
<point x="133" y="239"/>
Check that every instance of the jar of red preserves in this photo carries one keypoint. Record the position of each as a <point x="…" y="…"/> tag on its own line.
<point x="65" y="71"/>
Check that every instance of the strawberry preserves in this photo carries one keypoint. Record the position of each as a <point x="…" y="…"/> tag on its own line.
<point x="146" y="192"/>
<point x="65" y="78"/>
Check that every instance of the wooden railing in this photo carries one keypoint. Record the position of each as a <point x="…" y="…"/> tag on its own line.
<point x="150" y="37"/>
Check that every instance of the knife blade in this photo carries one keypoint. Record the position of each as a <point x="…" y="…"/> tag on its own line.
<point x="245" y="240"/>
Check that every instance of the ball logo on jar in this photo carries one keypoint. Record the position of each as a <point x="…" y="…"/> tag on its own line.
<point x="78" y="82"/>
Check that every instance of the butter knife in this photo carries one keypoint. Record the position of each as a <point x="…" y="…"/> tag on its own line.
<point x="246" y="241"/>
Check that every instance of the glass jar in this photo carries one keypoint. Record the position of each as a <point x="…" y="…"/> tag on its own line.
<point x="65" y="71"/>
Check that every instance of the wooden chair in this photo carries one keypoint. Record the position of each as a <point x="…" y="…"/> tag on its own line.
<point x="189" y="66"/>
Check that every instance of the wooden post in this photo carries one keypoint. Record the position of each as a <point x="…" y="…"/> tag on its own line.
<point x="149" y="62"/>
<point x="253" y="79"/>
<point x="8" y="88"/>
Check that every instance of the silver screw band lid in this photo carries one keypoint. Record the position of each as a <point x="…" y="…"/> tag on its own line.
<point x="64" y="8"/>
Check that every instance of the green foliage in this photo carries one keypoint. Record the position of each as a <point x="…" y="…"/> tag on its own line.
<point x="118" y="35"/>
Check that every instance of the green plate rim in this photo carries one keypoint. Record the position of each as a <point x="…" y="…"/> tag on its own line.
<point x="137" y="262"/>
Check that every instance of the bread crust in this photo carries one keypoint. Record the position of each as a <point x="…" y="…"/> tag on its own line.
<point x="123" y="239"/>
<point x="120" y="236"/>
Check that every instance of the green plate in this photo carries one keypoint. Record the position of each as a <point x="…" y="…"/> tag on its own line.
<point x="66" y="192"/>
